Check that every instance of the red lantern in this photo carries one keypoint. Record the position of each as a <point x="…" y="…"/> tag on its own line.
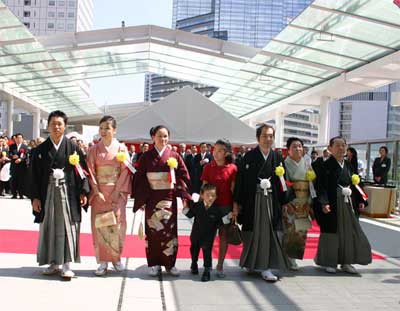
<point x="397" y="2"/>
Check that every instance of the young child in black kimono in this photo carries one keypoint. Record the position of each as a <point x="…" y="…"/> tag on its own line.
<point x="207" y="218"/>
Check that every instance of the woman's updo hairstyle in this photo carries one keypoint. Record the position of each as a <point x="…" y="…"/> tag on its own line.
<point x="110" y="119"/>
<point x="155" y="129"/>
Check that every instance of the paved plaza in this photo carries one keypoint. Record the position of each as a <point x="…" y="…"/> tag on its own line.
<point x="22" y="286"/>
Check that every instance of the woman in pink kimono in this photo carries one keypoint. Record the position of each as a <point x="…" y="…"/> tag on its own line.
<point x="110" y="183"/>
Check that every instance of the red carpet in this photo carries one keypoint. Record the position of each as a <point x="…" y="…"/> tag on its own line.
<point x="25" y="242"/>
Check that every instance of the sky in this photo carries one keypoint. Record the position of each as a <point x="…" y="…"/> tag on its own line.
<point x="109" y="14"/>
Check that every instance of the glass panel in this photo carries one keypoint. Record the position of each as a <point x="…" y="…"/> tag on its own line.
<point x="24" y="58"/>
<point x="14" y="34"/>
<point x="280" y="73"/>
<point x="292" y="66"/>
<point x="334" y="45"/>
<point x="367" y="8"/>
<point x="349" y="27"/>
<point x="310" y="55"/>
<point x="21" y="48"/>
<point x="8" y="19"/>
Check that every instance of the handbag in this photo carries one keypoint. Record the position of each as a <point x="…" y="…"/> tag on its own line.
<point x="234" y="234"/>
<point x="105" y="219"/>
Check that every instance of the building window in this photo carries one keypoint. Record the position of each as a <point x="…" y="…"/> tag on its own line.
<point x="27" y="13"/>
<point x="71" y="4"/>
<point x="27" y="25"/>
<point x="27" y="2"/>
<point x="50" y="25"/>
<point x="60" y="26"/>
<point x="71" y="14"/>
<point x="61" y="3"/>
<point x="70" y="27"/>
<point x="61" y="14"/>
<point x="52" y="3"/>
<point x="51" y="14"/>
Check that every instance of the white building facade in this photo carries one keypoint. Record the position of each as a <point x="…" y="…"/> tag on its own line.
<point x="368" y="115"/>
<point x="46" y="17"/>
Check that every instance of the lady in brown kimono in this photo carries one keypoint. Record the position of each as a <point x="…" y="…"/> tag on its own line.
<point x="296" y="214"/>
<point x="161" y="179"/>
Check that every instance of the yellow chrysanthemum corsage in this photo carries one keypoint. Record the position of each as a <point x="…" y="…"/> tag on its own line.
<point x="355" y="179"/>
<point x="172" y="163"/>
<point x="280" y="171"/>
<point x="121" y="156"/>
<point x="74" y="159"/>
<point x="310" y="175"/>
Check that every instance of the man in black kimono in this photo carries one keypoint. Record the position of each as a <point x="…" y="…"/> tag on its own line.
<point x="259" y="209"/>
<point x="59" y="190"/>
<point x="342" y="240"/>
<point x="18" y="155"/>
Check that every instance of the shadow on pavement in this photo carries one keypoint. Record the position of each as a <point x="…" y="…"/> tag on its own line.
<point x="36" y="274"/>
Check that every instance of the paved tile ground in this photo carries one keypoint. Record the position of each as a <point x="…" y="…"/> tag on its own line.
<point x="22" y="287"/>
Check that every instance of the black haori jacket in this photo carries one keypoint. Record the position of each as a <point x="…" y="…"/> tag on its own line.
<point x="246" y="183"/>
<point x="43" y="160"/>
<point x="329" y="176"/>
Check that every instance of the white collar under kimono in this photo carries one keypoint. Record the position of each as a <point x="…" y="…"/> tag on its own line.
<point x="160" y="152"/>
<point x="265" y="155"/>
<point x="341" y="163"/>
<point x="57" y="146"/>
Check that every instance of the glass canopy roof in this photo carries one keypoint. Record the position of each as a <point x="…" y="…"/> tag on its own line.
<point x="326" y="40"/>
<point x="25" y="66"/>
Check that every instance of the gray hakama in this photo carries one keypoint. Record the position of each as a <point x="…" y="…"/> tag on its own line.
<point x="348" y="245"/>
<point x="58" y="235"/>
<point x="262" y="249"/>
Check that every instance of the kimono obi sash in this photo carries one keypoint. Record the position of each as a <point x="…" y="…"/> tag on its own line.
<point x="159" y="181"/>
<point x="107" y="175"/>
<point x="301" y="189"/>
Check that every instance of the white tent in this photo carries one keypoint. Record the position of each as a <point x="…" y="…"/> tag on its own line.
<point x="190" y="117"/>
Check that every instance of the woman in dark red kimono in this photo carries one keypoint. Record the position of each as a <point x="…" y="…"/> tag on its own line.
<point x="160" y="179"/>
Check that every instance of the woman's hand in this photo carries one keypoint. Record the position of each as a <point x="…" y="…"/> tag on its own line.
<point x="361" y="207"/>
<point x="101" y="197"/>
